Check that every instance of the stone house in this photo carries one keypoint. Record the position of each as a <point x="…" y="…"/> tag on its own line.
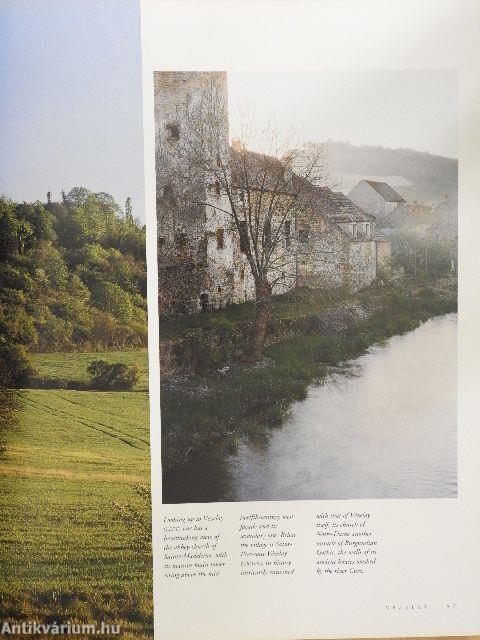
<point x="360" y="250"/>
<point x="327" y="241"/>
<point x="381" y="201"/>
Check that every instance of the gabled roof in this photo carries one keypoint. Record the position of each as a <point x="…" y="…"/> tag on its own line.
<point x="386" y="191"/>
<point x="338" y="207"/>
<point x="261" y="171"/>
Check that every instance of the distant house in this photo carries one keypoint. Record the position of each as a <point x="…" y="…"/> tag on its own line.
<point x="364" y="249"/>
<point x="380" y="200"/>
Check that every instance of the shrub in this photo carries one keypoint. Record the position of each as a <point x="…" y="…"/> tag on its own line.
<point x="115" y="376"/>
<point x="16" y="370"/>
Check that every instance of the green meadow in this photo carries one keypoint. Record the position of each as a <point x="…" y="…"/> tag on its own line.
<point x="71" y="367"/>
<point x="75" y="517"/>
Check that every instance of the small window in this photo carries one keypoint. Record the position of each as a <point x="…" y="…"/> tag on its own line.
<point x="288" y="233"/>
<point x="168" y="191"/>
<point x="303" y="235"/>
<point x="173" y="132"/>
<point x="216" y="188"/>
<point x="220" y="239"/>
<point x="181" y="240"/>
<point x="244" y="243"/>
<point x="242" y="274"/>
<point x="305" y="268"/>
<point x="204" y="301"/>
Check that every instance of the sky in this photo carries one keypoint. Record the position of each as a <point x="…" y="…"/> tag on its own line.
<point x="396" y="109"/>
<point x="71" y="99"/>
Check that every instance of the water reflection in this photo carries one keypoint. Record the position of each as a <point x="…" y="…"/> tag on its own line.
<point x="388" y="431"/>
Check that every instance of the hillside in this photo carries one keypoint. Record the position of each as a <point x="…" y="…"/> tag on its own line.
<point x="72" y="277"/>
<point x="414" y="174"/>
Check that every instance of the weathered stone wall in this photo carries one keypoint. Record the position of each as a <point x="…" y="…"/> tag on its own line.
<point x="191" y="213"/>
<point x="362" y="264"/>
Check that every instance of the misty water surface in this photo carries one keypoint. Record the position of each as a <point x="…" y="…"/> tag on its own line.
<point x="385" y="429"/>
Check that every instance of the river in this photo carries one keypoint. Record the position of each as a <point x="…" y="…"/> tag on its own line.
<point x="383" y="427"/>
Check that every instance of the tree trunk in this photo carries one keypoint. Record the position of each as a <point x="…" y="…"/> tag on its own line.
<point x="263" y="292"/>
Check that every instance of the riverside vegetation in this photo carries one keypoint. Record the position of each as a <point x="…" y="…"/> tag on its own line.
<point x="230" y="399"/>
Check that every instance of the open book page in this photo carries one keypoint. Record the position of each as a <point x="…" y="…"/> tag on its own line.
<point x="318" y="471"/>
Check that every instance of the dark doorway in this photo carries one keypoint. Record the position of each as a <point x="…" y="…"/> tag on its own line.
<point x="204" y="301"/>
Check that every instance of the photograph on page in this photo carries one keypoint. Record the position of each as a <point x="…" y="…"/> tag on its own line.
<point x="307" y="284"/>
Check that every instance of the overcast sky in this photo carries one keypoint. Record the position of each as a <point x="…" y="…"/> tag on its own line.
<point x="71" y="101"/>
<point x="415" y="109"/>
<point x="71" y="98"/>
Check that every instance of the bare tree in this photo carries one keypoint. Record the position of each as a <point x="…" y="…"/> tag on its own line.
<point x="268" y="198"/>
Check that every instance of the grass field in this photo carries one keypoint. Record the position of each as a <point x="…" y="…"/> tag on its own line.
<point x="74" y="501"/>
<point x="73" y="366"/>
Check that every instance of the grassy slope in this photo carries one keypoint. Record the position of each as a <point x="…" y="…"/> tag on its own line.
<point x="73" y="514"/>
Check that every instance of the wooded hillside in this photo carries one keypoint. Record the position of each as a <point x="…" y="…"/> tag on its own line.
<point x="72" y="275"/>
<point x="416" y="175"/>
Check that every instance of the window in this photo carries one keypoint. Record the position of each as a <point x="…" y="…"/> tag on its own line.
<point x="168" y="191"/>
<point x="181" y="240"/>
<point x="216" y="188"/>
<point x="354" y="230"/>
<point x="244" y="242"/>
<point x="305" y="268"/>
<point x="220" y="239"/>
<point x="204" y="301"/>
<point x="242" y="274"/>
<point x="367" y="229"/>
<point x="173" y="132"/>
<point x="303" y="235"/>
<point x="288" y="232"/>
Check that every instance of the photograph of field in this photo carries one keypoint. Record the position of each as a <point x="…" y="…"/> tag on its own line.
<point x="75" y="508"/>
<point x="75" y="500"/>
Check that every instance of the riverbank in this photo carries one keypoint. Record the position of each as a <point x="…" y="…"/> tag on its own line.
<point x="220" y="407"/>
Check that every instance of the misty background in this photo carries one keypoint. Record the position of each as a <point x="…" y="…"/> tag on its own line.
<point x="71" y="109"/>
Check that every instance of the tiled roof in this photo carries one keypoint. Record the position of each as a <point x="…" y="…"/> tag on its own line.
<point x="338" y="207"/>
<point x="386" y="191"/>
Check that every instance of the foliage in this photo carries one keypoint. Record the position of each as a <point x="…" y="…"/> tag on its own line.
<point x="72" y="275"/>
<point x="421" y="255"/>
<point x="217" y="408"/>
<point x="113" y="377"/>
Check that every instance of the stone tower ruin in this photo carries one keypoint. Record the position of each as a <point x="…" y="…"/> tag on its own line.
<point x="195" y="238"/>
